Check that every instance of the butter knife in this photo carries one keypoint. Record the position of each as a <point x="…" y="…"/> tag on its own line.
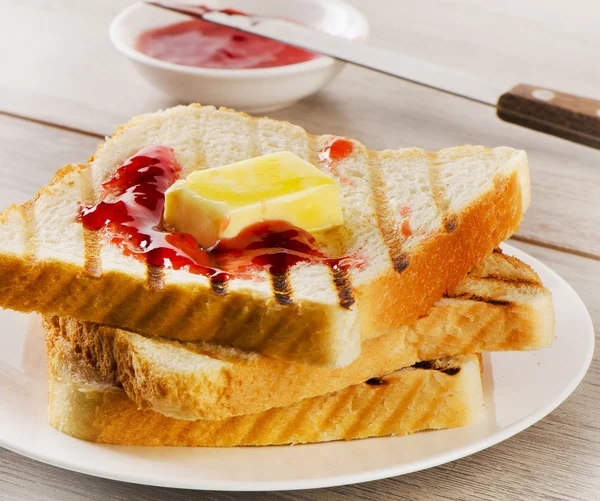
<point x="564" y="115"/>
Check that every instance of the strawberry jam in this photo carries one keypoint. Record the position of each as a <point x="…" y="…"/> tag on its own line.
<point x="130" y="216"/>
<point x="272" y="245"/>
<point x="131" y="212"/>
<point x="333" y="153"/>
<point x="208" y="45"/>
<point x="337" y="150"/>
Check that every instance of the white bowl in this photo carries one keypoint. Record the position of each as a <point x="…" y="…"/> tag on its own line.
<point x="252" y="90"/>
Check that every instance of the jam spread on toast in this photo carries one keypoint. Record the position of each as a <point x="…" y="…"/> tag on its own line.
<point x="405" y="228"/>
<point x="207" y="45"/>
<point x="333" y="153"/>
<point x="130" y="215"/>
<point x="338" y="149"/>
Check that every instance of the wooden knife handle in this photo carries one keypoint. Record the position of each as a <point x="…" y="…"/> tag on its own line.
<point x="564" y="115"/>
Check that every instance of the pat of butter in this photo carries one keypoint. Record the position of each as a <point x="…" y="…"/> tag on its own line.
<point x="218" y="203"/>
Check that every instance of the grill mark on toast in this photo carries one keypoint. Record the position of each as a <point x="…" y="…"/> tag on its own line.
<point x="474" y="343"/>
<point x="218" y="285"/>
<point x="252" y="127"/>
<point x="505" y="268"/>
<point x="180" y="308"/>
<point x="449" y="223"/>
<point x="164" y="314"/>
<point x="57" y="286"/>
<point x="360" y="417"/>
<point x="121" y="299"/>
<point x="337" y="405"/>
<point x="259" y="422"/>
<point x="91" y="252"/>
<point x="343" y="285"/>
<point x="155" y="277"/>
<point x="515" y="281"/>
<point x="293" y="424"/>
<point x="16" y="297"/>
<point x="309" y="408"/>
<point x="312" y="152"/>
<point x="438" y="192"/>
<point x="198" y="162"/>
<point x="250" y="316"/>
<point x="484" y="299"/>
<point x="218" y="427"/>
<point x="426" y="412"/>
<point x="281" y="288"/>
<point x="401" y="407"/>
<point x="451" y="371"/>
<point x="270" y="331"/>
<point x="430" y="365"/>
<point x="91" y="239"/>
<point x="427" y="365"/>
<point x="156" y="315"/>
<point x="376" y="381"/>
<point x="184" y="310"/>
<point x="295" y="343"/>
<point x="386" y="220"/>
<point x="341" y="278"/>
<point x="27" y="211"/>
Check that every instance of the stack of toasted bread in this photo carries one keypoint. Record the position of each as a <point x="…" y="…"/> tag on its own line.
<point x="153" y="354"/>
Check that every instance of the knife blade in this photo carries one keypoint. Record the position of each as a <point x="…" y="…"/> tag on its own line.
<point x="360" y="53"/>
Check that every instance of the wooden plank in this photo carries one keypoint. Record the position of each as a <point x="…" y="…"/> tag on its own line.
<point x="506" y="42"/>
<point x="558" y="458"/>
<point x="66" y="70"/>
<point x="30" y="154"/>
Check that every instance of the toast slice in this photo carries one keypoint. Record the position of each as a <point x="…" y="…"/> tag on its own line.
<point x="443" y="394"/>
<point x="501" y="305"/>
<point x="416" y="221"/>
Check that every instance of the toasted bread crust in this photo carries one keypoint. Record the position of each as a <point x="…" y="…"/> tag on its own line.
<point x="441" y="262"/>
<point x="307" y="331"/>
<point x="82" y="405"/>
<point x="500" y="306"/>
<point x="63" y="289"/>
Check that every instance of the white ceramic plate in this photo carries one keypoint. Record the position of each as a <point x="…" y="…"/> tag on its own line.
<point x="520" y="389"/>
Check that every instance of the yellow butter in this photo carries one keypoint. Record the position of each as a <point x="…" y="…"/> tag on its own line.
<point x="218" y="203"/>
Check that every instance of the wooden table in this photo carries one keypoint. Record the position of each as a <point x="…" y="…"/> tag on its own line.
<point x="63" y="87"/>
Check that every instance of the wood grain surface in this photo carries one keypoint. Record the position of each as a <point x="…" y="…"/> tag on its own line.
<point x="504" y="41"/>
<point x="23" y="169"/>
<point x="62" y="75"/>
